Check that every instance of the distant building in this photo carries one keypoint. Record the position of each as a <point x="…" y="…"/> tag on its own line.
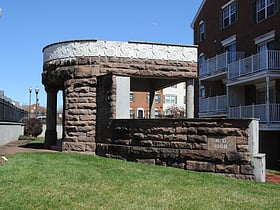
<point x="166" y="100"/>
<point x="239" y="65"/>
<point x="139" y="105"/>
<point x="174" y="97"/>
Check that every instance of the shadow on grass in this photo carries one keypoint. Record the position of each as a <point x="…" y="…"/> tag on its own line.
<point x="34" y="146"/>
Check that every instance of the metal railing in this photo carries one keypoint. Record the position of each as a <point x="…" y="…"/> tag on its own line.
<point x="213" y="104"/>
<point x="267" y="60"/>
<point x="11" y="113"/>
<point x="267" y="113"/>
<point x="219" y="62"/>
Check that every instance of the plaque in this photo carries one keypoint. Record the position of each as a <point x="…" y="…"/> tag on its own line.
<point x="222" y="143"/>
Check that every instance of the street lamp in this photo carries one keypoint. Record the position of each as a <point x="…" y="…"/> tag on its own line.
<point x="37" y="91"/>
<point x="30" y="90"/>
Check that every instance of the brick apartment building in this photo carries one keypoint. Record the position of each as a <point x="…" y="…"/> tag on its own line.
<point x="167" y="101"/>
<point x="239" y="65"/>
<point x="140" y="105"/>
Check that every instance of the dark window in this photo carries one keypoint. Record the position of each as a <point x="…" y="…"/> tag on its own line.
<point x="132" y="97"/>
<point x="157" y="98"/>
<point x="229" y="15"/>
<point x="265" y="9"/>
<point x="202" y="31"/>
<point x="231" y="52"/>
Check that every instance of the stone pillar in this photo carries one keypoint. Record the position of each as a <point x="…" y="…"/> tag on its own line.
<point x="152" y="104"/>
<point x="190" y="98"/>
<point x="122" y="97"/>
<point x="51" y="134"/>
<point x="63" y="115"/>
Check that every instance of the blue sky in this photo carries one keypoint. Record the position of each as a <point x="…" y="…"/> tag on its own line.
<point x="28" y="26"/>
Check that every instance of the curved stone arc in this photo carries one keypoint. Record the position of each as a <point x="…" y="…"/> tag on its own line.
<point x="78" y="48"/>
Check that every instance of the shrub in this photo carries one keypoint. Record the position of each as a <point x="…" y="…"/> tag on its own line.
<point x="33" y="127"/>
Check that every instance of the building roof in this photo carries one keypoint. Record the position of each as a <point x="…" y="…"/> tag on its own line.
<point x="197" y="13"/>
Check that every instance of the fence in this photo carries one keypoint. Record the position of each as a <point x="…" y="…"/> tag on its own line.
<point x="268" y="60"/>
<point x="11" y="113"/>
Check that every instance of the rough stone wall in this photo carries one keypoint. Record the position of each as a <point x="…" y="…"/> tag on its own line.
<point x="80" y="114"/>
<point x="83" y="67"/>
<point x="212" y="145"/>
<point x="106" y="101"/>
<point x="78" y="77"/>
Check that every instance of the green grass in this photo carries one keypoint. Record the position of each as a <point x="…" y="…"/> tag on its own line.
<point x="273" y="172"/>
<point x="76" y="181"/>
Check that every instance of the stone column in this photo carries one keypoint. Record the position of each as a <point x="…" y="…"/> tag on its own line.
<point x="190" y="98"/>
<point x="51" y="134"/>
<point x="152" y="104"/>
<point x="63" y="115"/>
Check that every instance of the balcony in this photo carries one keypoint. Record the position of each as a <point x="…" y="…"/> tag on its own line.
<point x="267" y="113"/>
<point x="264" y="61"/>
<point x="218" y="63"/>
<point x="212" y="105"/>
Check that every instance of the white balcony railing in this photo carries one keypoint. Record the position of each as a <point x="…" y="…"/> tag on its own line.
<point x="267" y="113"/>
<point x="213" y="104"/>
<point x="266" y="60"/>
<point x="219" y="62"/>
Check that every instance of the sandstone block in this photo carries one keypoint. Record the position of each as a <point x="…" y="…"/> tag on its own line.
<point x="200" y="166"/>
<point x="231" y="169"/>
<point x="247" y="169"/>
<point x="197" y="139"/>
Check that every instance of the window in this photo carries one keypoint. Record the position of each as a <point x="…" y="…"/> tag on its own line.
<point x="132" y="97"/>
<point x="231" y="52"/>
<point x="265" y="9"/>
<point x="201" y="31"/>
<point x="229" y="14"/>
<point x="157" y="113"/>
<point x="202" y="67"/>
<point x="266" y="61"/>
<point x="157" y="98"/>
<point x="170" y="99"/>
<point x="202" y="91"/>
<point x="132" y="114"/>
<point x="140" y="113"/>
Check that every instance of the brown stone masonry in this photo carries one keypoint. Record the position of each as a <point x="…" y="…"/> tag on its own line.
<point x="212" y="145"/>
<point x="83" y="78"/>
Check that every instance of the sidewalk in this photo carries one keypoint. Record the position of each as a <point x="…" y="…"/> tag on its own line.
<point x="22" y="146"/>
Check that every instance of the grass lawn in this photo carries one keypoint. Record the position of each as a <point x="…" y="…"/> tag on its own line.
<point x="77" y="181"/>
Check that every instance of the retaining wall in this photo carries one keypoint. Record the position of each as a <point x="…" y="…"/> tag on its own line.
<point x="224" y="146"/>
<point x="10" y="132"/>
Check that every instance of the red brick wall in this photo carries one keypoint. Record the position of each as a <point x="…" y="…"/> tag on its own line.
<point x="245" y="28"/>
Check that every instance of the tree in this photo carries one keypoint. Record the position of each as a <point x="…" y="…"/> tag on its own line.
<point x="33" y="127"/>
<point x="175" y="111"/>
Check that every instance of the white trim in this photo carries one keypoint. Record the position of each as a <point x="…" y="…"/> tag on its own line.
<point x="229" y="40"/>
<point x="142" y="50"/>
<point x="265" y="37"/>
<point x="227" y="4"/>
<point x="140" y="109"/>
<point x="197" y="13"/>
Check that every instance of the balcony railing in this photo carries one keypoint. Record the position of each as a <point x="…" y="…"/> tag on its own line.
<point x="268" y="60"/>
<point x="219" y="62"/>
<point x="213" y="104"/>
<point x="267" y="113"/>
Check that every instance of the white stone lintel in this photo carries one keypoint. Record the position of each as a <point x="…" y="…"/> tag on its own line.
<point x="131" y="49"/>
